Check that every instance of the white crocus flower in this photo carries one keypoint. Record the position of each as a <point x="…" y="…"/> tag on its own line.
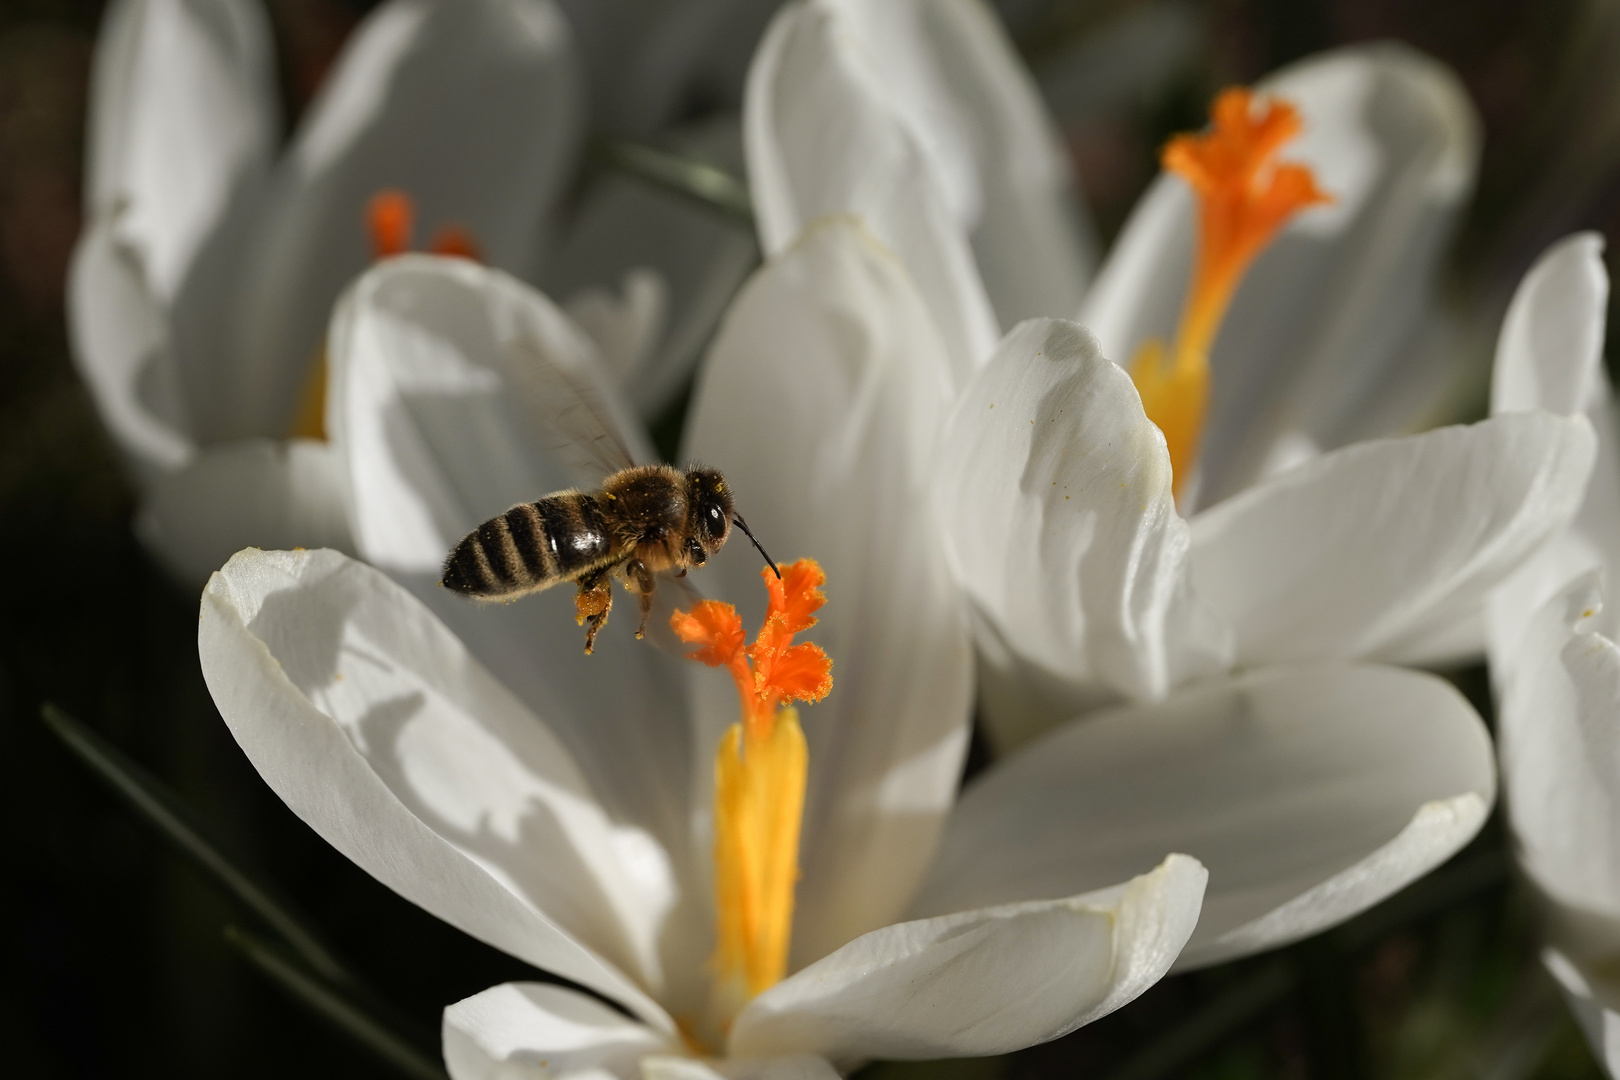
<point x="206" y="272"/>
<point x="1554" y="661"/>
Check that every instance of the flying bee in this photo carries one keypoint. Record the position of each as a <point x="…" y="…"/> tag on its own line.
<point x="645" y="520"/>
<point x="642" y="521"/>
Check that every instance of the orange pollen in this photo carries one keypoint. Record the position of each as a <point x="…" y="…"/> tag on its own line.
<point x="1245" y="197"/>
<point x="760" y="773"/>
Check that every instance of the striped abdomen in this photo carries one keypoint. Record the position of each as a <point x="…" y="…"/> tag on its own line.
<point x="531" y="546"/>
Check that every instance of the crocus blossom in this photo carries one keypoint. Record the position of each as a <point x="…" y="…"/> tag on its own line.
<point x="1554" y="661"/>
<point x="204" y="279"/>
<point x="203" y="283"/>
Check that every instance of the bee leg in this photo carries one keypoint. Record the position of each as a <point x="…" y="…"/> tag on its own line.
<point x="592" y="604"/>
<point x="636" y="571"/>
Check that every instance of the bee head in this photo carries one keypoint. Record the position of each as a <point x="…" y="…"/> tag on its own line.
<point x="711" y="507"/>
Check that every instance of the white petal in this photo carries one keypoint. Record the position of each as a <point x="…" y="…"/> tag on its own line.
<point x="540" y="1030"/>
<point x="626" y="324"/>
<point x="1550" y="356"/>
<point x="1560" y="745"/>
<point x="123" y="350"/>
<point x="457" y="392"/>
<point x="1032" y="238"/>
<point x="1310" y="793"/>
<point x="373" y="724"/>
<point x="1330" y="307"/>
<point x="981" y="982"/>
<point x="1550" y="352"/>
<point x="623" y="224"/>
<point x="823" y="137"/>
<point x="821" y="402"/>
<point x="182" y="123"/>
<point x="1055" y="498"/>
<point x="1370" y="550"/>
<point x="1599" y="1019"/>
<point x="257" y="493"/>
<point x="446" y="404"/>
<point x="471" y="107"/>
<point x="950" y="72"/>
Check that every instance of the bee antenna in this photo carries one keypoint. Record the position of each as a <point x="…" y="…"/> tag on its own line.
<point x="743" y="525"/>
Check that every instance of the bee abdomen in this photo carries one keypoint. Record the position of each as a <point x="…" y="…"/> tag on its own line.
<point x="529" y="547"/>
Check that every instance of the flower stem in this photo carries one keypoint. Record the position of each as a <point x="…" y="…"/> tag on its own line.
<point x="697" y="180"/>
<point x="165" y="812"/>
<point x="334" y="1006"/>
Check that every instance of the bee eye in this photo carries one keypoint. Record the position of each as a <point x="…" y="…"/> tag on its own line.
<point x="717" y="521"/>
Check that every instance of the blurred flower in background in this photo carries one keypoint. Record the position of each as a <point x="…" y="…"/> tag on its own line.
<point x="1552" y="647"/>
<point x="205" y="275"/>
<point x="204" y="280"/>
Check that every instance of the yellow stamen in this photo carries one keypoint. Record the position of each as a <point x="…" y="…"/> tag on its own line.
<point x="390" y="221"/>
<point x="1245" y="197"/>
<point x="759" y="776"/>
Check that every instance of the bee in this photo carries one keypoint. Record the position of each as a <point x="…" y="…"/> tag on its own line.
<point x="642" y="521"/>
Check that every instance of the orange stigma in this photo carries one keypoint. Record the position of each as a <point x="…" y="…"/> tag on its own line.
<point x="390" y="220"/>
<point x="456" y="242"/>
<point x="1245" y="197"/>
<point x="759" y="775"/>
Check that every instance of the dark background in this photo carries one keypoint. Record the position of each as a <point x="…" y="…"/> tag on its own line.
<point x="115" y="964"/>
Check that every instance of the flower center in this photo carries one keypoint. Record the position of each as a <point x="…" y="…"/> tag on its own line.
<point x="759" y="776"/>
<point x="390" y="221"/>
<point x="1245" y="197"/>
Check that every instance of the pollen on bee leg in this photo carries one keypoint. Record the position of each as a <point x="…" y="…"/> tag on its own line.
<point x="592" y="603"/>
<point x="1245" y="196"/>
<point x="760" y="773"/>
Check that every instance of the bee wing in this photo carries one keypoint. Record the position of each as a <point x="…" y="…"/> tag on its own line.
<point x="674" y="594"/>
<point x="577" y="416"/>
